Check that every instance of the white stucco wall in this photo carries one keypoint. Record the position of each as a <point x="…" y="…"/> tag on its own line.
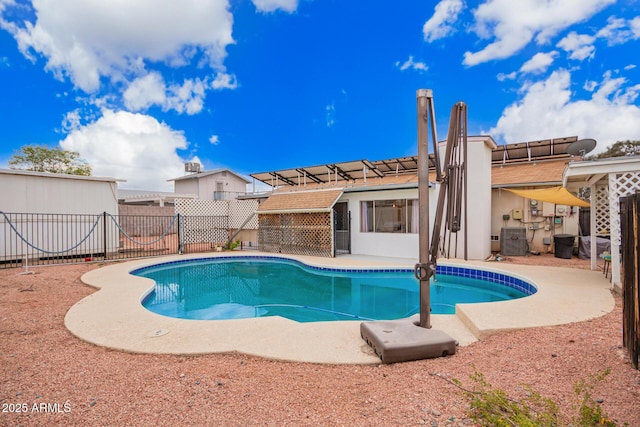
<point x="406" y="245"/>
<point x="397" y="245"/>
<point x="478" y="199"/>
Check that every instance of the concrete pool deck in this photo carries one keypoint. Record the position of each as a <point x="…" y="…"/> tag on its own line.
<point x="114" y="317"/>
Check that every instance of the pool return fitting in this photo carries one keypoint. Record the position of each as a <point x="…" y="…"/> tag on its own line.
<point x="413" y="338"/>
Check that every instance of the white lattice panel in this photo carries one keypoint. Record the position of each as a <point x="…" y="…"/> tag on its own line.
<point x="190" y="207"/>
<point x="240" y="210"/>
<point x="620" y="185"/>
<point x="601" y="216"/>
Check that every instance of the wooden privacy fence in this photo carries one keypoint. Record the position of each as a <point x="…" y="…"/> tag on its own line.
<point x="630" y="242"/>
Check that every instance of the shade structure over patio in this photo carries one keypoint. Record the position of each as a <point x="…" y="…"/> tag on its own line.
<point x="557" y="195"/>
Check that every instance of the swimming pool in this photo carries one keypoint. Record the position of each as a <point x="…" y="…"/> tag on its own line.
<point x="240" y="287"/>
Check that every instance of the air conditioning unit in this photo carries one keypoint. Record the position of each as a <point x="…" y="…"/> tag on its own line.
<point x="192" y="167"/>
<point x="513" y="241"/>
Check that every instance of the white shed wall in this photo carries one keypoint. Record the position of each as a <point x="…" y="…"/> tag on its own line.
<point x="48" y="193"/>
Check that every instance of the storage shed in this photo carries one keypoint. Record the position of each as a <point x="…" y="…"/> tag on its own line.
<point x="46" y="216"/>
<point x="41" y="192"/>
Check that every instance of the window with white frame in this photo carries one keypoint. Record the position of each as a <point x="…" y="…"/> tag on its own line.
<point x="389" y="216"/>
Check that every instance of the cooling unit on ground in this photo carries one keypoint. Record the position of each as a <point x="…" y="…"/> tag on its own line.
<point x="513" y="241"/>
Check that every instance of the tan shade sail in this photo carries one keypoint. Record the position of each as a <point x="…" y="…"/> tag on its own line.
<point x="557" y="195"/>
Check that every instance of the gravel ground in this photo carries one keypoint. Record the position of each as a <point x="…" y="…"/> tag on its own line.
<point x="57" y="379"/>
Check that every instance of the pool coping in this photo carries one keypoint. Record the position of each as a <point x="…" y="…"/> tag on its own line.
<point x="114" y="317"/>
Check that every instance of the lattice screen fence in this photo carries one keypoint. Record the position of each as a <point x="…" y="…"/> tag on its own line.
<point x="603" y="226"/>
<point x="211" y="221"/>
<point x="296" y="233"/>
<point x="620" y="185"/>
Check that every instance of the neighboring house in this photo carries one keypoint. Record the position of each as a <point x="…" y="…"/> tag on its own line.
<point x="150" y="198"/>
<point x="218" y="184"/>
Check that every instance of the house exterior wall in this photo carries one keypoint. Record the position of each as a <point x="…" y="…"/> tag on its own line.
<point x="504" y="202"/>
<point x="47" y="193"/>
<point x="406" y="245"/>
<point x="397" y="245"/>
<point x="478" y="198"/>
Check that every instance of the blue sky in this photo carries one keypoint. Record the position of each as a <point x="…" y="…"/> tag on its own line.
<point x="139" y="88"/>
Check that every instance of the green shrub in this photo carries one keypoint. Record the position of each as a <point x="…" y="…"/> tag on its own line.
<point x="491" y="406"/>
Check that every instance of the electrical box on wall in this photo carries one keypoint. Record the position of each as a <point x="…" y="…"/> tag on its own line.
<point x="548" y="209"/>
<point x="551" y="209"/>
<point x="534" y="208"/>
<point x="516" y="213"/>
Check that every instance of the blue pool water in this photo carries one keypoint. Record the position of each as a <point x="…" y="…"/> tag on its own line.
<point x="241" y="287"/>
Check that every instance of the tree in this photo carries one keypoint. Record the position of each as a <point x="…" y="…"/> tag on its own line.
<point x="54" y="160"/>
<point x="620" y="149"/>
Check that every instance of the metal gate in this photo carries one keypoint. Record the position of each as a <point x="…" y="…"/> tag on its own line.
<point x="342" y="228"/>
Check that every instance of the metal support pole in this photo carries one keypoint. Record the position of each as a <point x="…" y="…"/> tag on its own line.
<point x="422" y="270"/>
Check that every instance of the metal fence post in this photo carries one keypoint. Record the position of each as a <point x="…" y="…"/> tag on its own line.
<point x="179" y="234"/>
<point x="104" y="234"/>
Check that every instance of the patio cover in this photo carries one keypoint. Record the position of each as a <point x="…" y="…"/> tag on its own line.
<point x="557" y="195"/>
<point x="300" y="202"/>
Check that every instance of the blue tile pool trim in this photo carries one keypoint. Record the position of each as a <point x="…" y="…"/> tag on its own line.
<point x="501" y="278"/>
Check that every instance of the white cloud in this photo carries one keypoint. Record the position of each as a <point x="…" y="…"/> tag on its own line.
<point x="86" y="41"/>
<point x="145" y="91"/>
<point x="590" y="85"/>
<point x="214" y="139"/>
<point x="634" y="24"/>
<point x="71" y="121"/>
<point x="579" y="46"/>
<point x="267" y="6"/>
<point x="510" y="76"/>
<point x="548" y="110"/>
<point x="224" y="81"/>
<point x="129" y="146"/>
<point x="539" y="63"/>
<point x="187" y="97"/>
<point x="514" y="24"/>
<point x="411" y="64"/>
<point x="440" y="25"/>
<point x="331" y="115"/>
<point x="619" y="31"/>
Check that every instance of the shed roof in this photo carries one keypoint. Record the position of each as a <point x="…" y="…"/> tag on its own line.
<point x="59" y="175"/>
<point x="300" y="201"/>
